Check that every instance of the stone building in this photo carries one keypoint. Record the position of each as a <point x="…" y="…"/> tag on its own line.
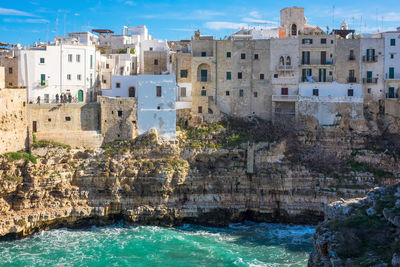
<point x="156" y="62"/>
<point x="392" y="63"/>
<point x="348" y="61"/>
<point x="10" y="64"/>
<point x="118" y="118"/>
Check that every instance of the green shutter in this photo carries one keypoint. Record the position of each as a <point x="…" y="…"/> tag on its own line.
<point x="392" y="42"/>
<point x="391" y="92"/>
<point x="391" y="73"/>
<point x="91" y="61"/>
<point x="203" y="92"/>
<point x="228" y="75"/>
<point x="369" y="74"/>
<point x="80" y="96"/>
<point x="228" y="54"/>
<point x="42" y="79"/>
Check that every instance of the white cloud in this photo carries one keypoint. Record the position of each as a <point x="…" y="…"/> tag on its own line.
<point x="259" y="21"/>
<point x="130" y="3"/>
<point x="26" y="20"/>
<point x="255" y="14"/>
<point x="391" y="16"/>
<point x="14" y="12"/>
<point x="219" y="25"/>
<point x="208" y="13"/>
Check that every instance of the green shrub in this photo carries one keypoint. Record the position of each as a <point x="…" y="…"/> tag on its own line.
<point x="13" y="156"/>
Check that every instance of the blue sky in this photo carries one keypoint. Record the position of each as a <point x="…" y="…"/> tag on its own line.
<point x="27" y="21"/>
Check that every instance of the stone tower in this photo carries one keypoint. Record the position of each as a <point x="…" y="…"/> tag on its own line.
<point x="292" y="18"/>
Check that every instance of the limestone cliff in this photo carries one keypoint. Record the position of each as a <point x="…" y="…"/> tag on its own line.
<point x="212" y="176"/>
<point x="360" y="232"/>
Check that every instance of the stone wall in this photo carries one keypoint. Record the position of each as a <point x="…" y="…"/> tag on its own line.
<point x="73" y="124"/>
<point x="392" y="107"/>
<point x="118" y="118"/>
<point x="13" y="121"/>
<point x="153" y="57"/>
<point x="10" y="65"/>
<point x="2" y="78"/>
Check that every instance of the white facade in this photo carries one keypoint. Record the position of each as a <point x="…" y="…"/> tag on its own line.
<point x="332" y="90"/>
<point x="156" y="96"/>
<point x="373" y="86"/>
<point x="392" y="64"/>
<point x="86" y="38"/>
<point x="54" y="70"/>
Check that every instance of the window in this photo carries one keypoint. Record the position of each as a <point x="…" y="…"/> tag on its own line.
<point x="288" y="61"/>
<point x="68" y="76"/>
<point x="42" y="79"/>
<point x="67" y="118"/>
<point x="79" y="77"/>
<point x="281" y="61"/>
<point x="392" y="42"/>
<point x="228" y="54"/>
<point x="69" y="57"/>
<point x="240" y="75"/>
<point x="284" y="91"/>
<point x="158" y="91"/>
<point x="203" y="75"/>
<point x="352" y="57"/>
<point x="107" y="66"/>
<point x="350" y="92"/>
<point x="78" y="58"/>
<point x="183" y="91"/>
<point x="203" y="54"/>
<point x="391" y="56"/>
<point x="118" y="85"/>
<point x="10" y="70"/>
<point x="184" y="73"/>
<point x="243" y="56"/>
<point x="200" y="109"/>
<point x="255" y="56"/>
<point x="227" y="93"/>
<point x="391" y="73"/>
<point x="155" y="62"/>
<point x="203" y="92"/>
<point x="241" y="92"/>
<point x="91" y="61"/>
<point x="132" y="92"/>
<point x="261" y="76"/>
<point x="294" y="29"/>
<point x="228" y="75"/>
<point x="42" y="60"/>
<point x="315" y="92"/>
<point x="305" y="57"/>
<point x="255" y="94"/>
<point x="276" y="75"/>
<point x="323" y="41"/>
<point x="119" y="113"/>
<point x="307" y="41"/>
<point x="369" y="90"/>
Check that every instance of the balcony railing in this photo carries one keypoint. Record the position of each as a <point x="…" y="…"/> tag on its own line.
<point x="317" y="62"/>
<point x="352" y="57"/>
<point x="316" y="79"/>
<point x="370" y="80"/>
<point x="285" y="98"/>
<point x="370" y="58"/>
<point x="284" y="68"/>
<point x="352" y="80"/>
<point x="204" y="79"/>
<point x="43" y="84"/>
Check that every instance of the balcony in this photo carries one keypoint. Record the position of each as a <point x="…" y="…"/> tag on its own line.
<point x="284" y="68"/>
<point x="285" y="98"/>
<point x="370" y="58"/>
<point x="204" y="79"/>
<point x="370" y="80"/>
<point x="352" y="57"/>
<point x="317" y="62"/>
<point x="352" y="80"/>
<point x="316" y="80"/>
<point x="42" y="84"/>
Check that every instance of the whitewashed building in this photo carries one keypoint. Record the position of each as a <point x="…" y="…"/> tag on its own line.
<point x="156" y="96"/>
<point x="62" y="71"/>
<point x="392" y="63"/>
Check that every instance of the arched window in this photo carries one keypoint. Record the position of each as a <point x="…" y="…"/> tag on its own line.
<point x="281" y="61"/>
<point x="132" y="92"/>
<point x="294" y="30"/>
<point x="288" y="61"/>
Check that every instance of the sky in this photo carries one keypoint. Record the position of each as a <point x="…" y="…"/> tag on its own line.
<point x="29" y="21"/>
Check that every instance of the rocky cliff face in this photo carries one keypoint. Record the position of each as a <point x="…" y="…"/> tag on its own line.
<point x="200" y="180"/>
<point x="360" y="232"/>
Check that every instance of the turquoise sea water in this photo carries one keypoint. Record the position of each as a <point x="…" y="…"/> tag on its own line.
<point x="247" y="244"/>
